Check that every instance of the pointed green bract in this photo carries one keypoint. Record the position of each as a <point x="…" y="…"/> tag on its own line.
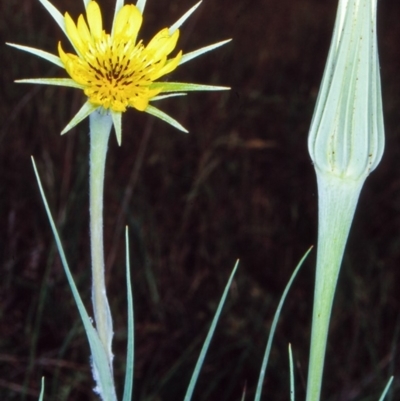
<point x="57" y="16"/>
<point x="196" y="53"/>
<point x="68" y="82"/>
<point x="165" y="117"/>
<point x="162" y="97"/>
<point x="140" y="5"/>
<point x="117" y="121"/>
<point x="84" y="112"/>
<point x="184" y="17"/>
<point x="185" y="87"/>
<point x="40" y="53"/>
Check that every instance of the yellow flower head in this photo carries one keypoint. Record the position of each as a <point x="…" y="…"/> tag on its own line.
<point x="115" y="71"/>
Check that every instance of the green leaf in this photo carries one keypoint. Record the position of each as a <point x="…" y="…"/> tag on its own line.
<point x="273" y="328"/>
<point x="165" y="117"/>
<point x="101" y="369"/>
<point x="130" y="348"/>
<point x="40" y="53"/>
<point x="196" y="53"/>
<point x="199" y="364"/>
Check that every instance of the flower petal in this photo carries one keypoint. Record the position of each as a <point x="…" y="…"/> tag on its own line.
<point x="162" y="43"/>
<point x="168" y="67"/>
<point x="127" y="22"/>
<point x="73" y="35"/>
<point x="83" y="30"/>
<point x="93" y="14"/>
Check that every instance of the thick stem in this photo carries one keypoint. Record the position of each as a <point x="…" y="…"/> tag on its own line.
<point x="337" y="202"/>
<point x="100" y="128"/>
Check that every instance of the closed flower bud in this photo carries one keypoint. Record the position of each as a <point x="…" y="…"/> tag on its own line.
<point x="346" y="138"/>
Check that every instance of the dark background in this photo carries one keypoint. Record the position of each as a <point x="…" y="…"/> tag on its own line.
<point x="240" y="185"/>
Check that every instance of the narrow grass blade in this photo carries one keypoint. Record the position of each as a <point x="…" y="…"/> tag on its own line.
<point x="207" y="341"/>
<point x="101" y="370"/>
<point x="130" y="348"/>
<point x="386" y="389"/>
<point x="41" y="390"/>
<point x="291" y="370"/>
<point x="273" y="328"/>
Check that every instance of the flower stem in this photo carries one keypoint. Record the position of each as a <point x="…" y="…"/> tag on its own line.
<point x="100" y="128"/>
<point x="338" y="199"/>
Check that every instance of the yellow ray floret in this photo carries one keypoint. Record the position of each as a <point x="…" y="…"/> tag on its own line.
<point x="114" y="70"/>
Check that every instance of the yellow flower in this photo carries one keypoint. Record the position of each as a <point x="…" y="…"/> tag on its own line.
<point x="115" y="70"/>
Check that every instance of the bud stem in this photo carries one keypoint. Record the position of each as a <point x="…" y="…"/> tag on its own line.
<point x="337" y="202"/>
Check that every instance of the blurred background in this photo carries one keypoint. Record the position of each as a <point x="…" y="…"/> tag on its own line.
<point x="240" y="185"/>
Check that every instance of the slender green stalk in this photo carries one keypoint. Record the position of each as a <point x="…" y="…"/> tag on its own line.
<point x="338" y="200"/>
<point x="100" y="128"/>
